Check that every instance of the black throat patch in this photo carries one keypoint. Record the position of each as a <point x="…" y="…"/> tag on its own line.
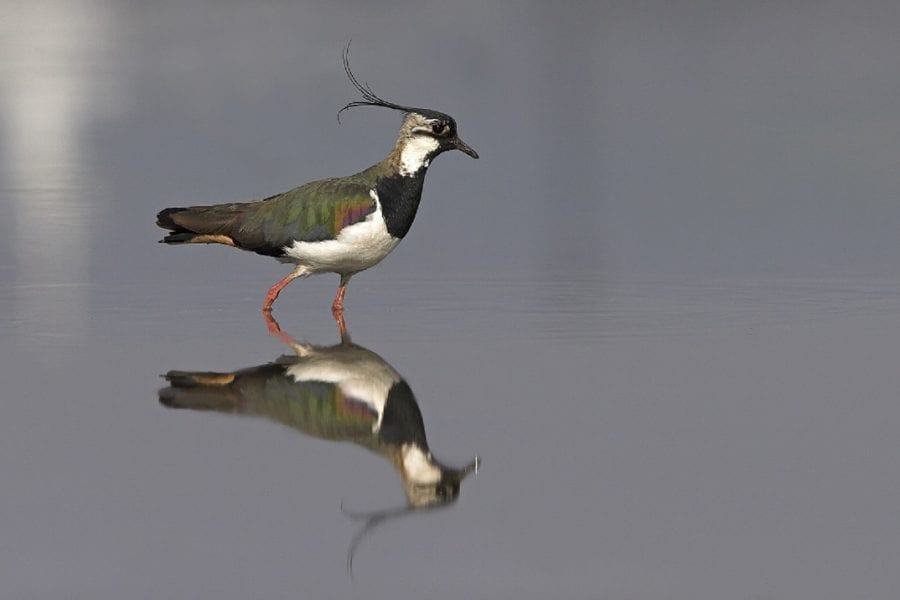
<point x="401" y="421"/>
<point x="399" y="197"/>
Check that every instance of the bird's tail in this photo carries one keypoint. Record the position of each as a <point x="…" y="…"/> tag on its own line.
<point x="166" y="220"/>
<point x="200" y="391"/>
<point x="179" y="235"/>
<point x="201" y="224"/>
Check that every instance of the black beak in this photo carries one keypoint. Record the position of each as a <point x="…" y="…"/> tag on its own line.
<point x="472" y="467"/>
<point x="463" y="147"/>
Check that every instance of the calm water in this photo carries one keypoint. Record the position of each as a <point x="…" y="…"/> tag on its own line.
<point x="687" y="436"/>
<point x="638" y="440"/>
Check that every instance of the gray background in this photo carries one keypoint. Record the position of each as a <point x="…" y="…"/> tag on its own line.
<point x="662" y="306"/>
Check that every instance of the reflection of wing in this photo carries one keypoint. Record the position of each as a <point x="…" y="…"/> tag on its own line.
<point x="316" y="408"/>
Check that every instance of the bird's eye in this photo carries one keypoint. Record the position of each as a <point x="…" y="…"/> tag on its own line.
<point x="439" y="128"/>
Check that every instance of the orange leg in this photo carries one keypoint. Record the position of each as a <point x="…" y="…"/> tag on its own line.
<point x="342" y="326"/>
<point x="299" y="271"/>
<point x="275" y="329"/>
<point x="337" y="306"/>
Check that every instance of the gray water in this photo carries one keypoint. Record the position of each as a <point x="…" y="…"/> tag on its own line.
<point x="662" y="308"/>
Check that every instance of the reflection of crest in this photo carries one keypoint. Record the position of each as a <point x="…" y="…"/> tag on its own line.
<point x="341" y="393"/>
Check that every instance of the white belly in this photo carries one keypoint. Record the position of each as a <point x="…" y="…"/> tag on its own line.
<point x="365" y="379"/>
<point x="356" y="248"/>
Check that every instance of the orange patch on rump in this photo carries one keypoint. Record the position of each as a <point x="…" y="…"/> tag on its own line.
<point x="214" y="378"/>
<point x="213" y="239"/>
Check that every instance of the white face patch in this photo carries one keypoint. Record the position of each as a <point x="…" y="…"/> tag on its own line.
<point x="356" y="248"/>
<point x="418" y="466"/>
<point x="414" y="154"/>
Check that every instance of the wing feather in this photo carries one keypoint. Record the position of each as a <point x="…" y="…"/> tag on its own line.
<point x="313" y="212"/>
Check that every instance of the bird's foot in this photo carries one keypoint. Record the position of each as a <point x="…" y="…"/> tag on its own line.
<point x="341" y="324"/>
<point x="337" y="305"/>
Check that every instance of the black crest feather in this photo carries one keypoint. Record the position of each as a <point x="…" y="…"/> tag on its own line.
<point x="374" y="519"/>
<point x="370" y="98"/>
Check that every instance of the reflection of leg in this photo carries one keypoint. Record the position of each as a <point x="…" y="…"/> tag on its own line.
<point x="337" y="306"/>
<point x="299" y="271"/>
<point x="341" y="325"/>
<point x="275" y="329"/>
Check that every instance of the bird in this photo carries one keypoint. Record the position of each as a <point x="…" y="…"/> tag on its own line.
<point x="340" y="225"/>
<point x="344" y="392"/>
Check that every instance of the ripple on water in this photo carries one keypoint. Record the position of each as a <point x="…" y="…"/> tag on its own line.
<point x="591" y="308"/>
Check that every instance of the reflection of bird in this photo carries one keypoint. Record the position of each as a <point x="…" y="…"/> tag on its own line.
<point x="342" y="393"/>
<point x="343" y="225"/>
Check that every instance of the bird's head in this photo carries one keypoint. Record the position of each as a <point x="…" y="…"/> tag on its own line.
<point x="428" y="484"/>
<point x="424" y="134"/>
<point x="426" y="480"/>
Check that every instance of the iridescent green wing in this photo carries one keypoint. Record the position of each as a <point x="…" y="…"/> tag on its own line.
<point x="316" y="408"/>
<point x="314" y="212"/>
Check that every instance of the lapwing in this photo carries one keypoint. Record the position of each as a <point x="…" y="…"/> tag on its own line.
<point x="343" y="225"/>
<point x="339" y="393"/>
